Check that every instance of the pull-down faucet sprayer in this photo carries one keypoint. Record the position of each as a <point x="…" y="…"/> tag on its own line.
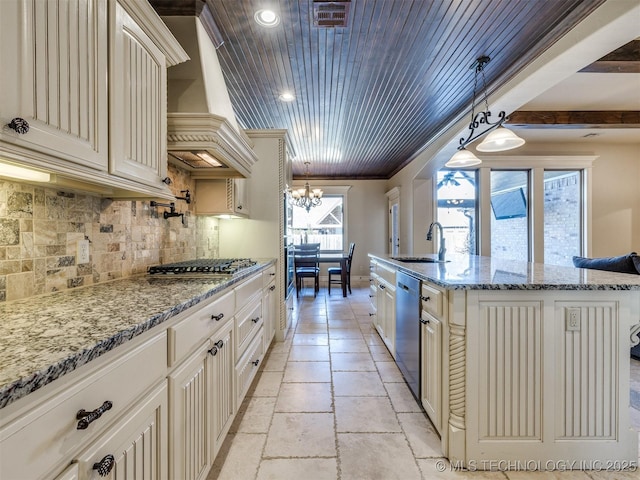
<point x="442" y="250"/>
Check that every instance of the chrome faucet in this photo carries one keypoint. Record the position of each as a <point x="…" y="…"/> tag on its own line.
<point x="440" y="239"/>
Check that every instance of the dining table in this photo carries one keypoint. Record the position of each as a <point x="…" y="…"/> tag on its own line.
<point x="337" y="257"/>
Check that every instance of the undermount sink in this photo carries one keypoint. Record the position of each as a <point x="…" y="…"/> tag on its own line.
<point x="419" y="260"/>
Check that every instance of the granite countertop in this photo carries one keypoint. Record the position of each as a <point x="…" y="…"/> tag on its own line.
<point x="45" y="337"/>
<point x="472" y="272"/>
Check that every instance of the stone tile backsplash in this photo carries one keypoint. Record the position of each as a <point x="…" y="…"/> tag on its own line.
<point x="40" y="227"/>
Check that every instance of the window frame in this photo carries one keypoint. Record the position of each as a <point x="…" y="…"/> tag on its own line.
<point x="536" y="166"/>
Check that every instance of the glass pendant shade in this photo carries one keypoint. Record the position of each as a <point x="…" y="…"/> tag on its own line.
<point x="499" y="140"/>
<point x="463" y="158"/>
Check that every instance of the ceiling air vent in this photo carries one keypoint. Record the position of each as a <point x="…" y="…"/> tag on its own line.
<point x="331" y="14"/>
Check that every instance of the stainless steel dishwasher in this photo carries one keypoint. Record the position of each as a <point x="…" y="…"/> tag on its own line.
<point x="408" y="339"/>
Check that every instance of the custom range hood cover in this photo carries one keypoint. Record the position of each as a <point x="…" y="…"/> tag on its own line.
<point x="201" y="125"/>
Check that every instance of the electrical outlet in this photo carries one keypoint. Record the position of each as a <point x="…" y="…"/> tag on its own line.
<point x="573" y="319"/>
<point x="82" y="253"/>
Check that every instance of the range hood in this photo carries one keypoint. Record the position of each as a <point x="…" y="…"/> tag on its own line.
<point x="202" y="133"/>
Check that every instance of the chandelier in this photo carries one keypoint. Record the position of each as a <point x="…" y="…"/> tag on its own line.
<point x="306" y="197"/>
<point x="500" y="138"/>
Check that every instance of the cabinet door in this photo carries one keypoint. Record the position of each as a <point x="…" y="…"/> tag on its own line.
<point x="240" y="196"/>
<point x="54" y="76"/>
<point x="138" y="103"/>
<point x="136" y="446"/>
<point x="222" y="360"/>
<point x="190" y="438"/>
<point x="432" y="368"/>
<point x="390" y="319"/>
<point x="269" y="312"/>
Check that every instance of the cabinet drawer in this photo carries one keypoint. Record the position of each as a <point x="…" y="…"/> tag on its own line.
<point x="247" y="366"/>
<point x="432" y="300"/>
<point x="48" y="434"/>
<point x="248" y="289"/>
<point x="268" y="276"/>
<point x="387" y="274"/>
<point x="248" y="321"/>
<point x="190" y="332"/>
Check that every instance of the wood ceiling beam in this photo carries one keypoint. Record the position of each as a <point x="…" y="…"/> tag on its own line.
<point x="625" y="59"/>
<point x="575" y="119"/>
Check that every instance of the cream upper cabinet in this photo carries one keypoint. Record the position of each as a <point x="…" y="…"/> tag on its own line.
<point x="138" y="124"/>
<point x="54" y="77"/>
<point x="222" y="197"/>
<point x="89" y="80"/>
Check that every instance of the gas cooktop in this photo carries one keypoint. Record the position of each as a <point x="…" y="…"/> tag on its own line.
<point x="210" y="266"/>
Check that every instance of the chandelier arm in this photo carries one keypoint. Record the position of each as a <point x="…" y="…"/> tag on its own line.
<point x="481" y="118"/>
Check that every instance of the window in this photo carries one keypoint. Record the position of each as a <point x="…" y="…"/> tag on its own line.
<point x="562" y="216"/>
<point x="510" y="219"/>
<point x="322" y="224"/>
<point x="456" y="197"/>
<point x="504" y="222"/>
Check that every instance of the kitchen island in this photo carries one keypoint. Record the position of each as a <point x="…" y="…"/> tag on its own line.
<point x="531" y="362"/>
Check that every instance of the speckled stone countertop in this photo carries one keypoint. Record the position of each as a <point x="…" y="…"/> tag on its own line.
<point x="471" y="272"/>
<point x="45" y="337"/>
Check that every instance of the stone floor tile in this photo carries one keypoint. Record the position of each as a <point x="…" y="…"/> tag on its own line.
<point x="352" y="362"/>
<point x="572" y="475"/>
<point x="298" y="468"/>
<point x="238" y="458"/>
<point x="309" y="353"/>
<point x="280" y="347"/>
<point x="423" y="438"/>
<point x="384" y="456"/>
<point x="267" y="385"/>
<point x="345" y="333"/>
<point x="310" y="372"/>
<point x="365" y="414"/>
<point x="311" y="328"/>
<point x="348" y="345"/>
<point x="254" y="415"/>
<point x="275" y="362"/>
<point x="310" y="339"/>
<point x="441" y="469"/>
<point x="389" y="372"/>
<point x="301" y="435"/>
<point x="343" y="324"/>
<point x="304" y="397"/>
<point x="380" y="353"/>
<point x="401" y="398"/>
<point x="357" y="384"/>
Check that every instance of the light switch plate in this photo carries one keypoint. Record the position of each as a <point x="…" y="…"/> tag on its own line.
<point x="82" y="253"/>
<point x="573" y="319"/>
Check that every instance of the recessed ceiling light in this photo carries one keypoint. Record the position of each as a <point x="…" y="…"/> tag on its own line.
<point x="287" y="97"/>
<point x="267" y="18"/>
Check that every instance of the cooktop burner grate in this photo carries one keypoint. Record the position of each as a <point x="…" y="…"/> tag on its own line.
<point x="220" y="266"/>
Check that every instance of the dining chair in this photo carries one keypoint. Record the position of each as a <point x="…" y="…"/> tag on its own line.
<point x="307" y="265"/>
<point x="333" y="271"/>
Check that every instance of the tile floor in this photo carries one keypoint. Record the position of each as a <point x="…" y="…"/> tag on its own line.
<point x="331" y="404"/>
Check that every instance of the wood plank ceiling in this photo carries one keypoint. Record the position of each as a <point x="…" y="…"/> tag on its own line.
<point x="370" y="95"/>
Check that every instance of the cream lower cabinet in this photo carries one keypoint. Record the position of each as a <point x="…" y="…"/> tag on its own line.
<point x="135" y="448"/>
<point x="382" y="294"/>
<point x="433" y="312"/>
<point x="269" y="305"/>
<point x="385" y="316"/>
<point x="202" y="405"/>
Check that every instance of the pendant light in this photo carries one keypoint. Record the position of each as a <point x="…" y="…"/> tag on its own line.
<point x="498" y="140"/>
